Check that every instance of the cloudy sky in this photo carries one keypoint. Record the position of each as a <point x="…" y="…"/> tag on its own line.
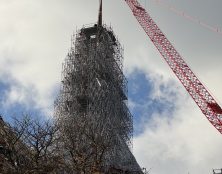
<point x="171" y="135"/>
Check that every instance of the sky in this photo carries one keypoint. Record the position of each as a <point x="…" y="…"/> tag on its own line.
<point x="171" y="135"/>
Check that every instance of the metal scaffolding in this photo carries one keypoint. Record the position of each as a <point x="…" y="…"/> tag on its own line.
<point x="93" y="96"/>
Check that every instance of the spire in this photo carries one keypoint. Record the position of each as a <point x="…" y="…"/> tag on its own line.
<point x="100" y="14"/>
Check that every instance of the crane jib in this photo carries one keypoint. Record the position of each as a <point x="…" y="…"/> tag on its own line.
<point x="189" y="80"/>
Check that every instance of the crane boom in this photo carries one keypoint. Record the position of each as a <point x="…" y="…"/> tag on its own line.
<point x="194" y="87"/>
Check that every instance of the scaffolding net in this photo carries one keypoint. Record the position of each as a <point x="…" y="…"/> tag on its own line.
<point x="93" y="101"/>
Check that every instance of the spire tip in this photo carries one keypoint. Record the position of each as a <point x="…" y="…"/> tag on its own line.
<point x="100" y="14"/>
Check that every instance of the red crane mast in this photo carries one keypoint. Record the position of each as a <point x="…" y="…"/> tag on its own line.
<point x="194" y="87"/>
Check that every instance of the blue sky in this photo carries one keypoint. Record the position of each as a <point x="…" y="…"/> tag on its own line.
<point x="141" y="103"/>
<point x="171" y="134"/>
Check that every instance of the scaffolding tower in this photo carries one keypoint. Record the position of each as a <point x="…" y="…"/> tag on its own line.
<point x="93" y="95"/>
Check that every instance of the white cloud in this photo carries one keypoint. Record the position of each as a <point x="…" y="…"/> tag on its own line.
<point x="179" y="143"/>
<point x="15" y="94"/>
<point x="35" y="37"/>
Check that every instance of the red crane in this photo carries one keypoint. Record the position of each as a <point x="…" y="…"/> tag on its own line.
<point x="194" y="87"/>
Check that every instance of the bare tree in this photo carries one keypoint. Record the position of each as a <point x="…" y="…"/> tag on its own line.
<point x="12" y="144"/>
<point x="31" y="145"/>
<point x="70" y="145"/>
<point x="85" y="145"/>
<point x="40" y="138"/>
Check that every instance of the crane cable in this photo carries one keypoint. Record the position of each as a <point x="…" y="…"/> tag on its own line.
<point x="189" y="17"/>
